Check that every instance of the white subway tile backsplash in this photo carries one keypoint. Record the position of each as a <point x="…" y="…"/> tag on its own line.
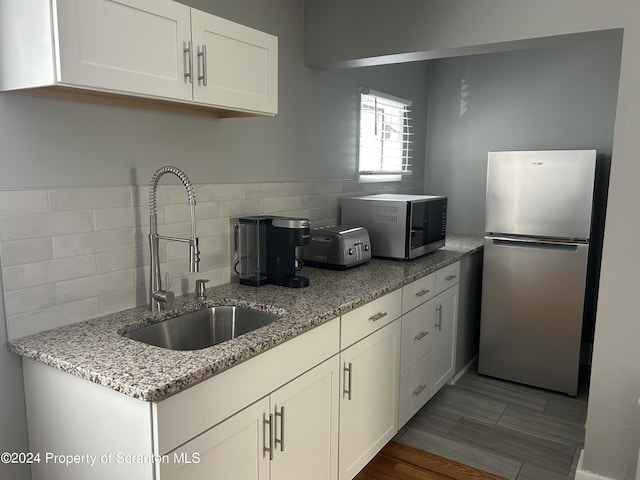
<point x="70" y="254"/>
<point x="123" y="217"/>
<point x="16" y="252"/>
<point x="182" y="213"/>
<point x="285" y="204"/>
<point x="30" y="299"/>
<point x="41" y="273"/>
<point x="125" y="259"/>
<point x="118" y="301"/>
<point x="212" y="227"/>
<point x="239" y="208"/>
<point x="53" y="317"/>
<point x="218" y="192"/>
<point x="94" y="286"/>
<point x="13" y="202"/>
<point x="289" y="189"/>
<point x="16" y="227"/>
<point x="84" y="198"/>
<point x="92" y="242"/>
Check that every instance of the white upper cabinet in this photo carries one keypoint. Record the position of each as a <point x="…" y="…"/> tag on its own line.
<point x="140" y="50"/>
<point x="133" y="46"/>
<point x="235" y="65"/>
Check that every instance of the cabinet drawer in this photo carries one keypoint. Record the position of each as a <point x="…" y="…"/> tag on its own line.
<point x="447" y="277"/>
<point x="417" y="335"/>
<point x="415" y="389"/>
<point x="368" y="318"/>
<point x="418" y="292"/>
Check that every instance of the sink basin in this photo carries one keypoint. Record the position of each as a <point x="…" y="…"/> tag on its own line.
<point x="203" y="328"/>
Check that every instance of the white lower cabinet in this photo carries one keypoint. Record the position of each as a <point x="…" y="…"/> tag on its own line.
<point x="232" y="450"/>
<point x="291" y="434"/>
<point x="319" y="406"/>
<point x="429" y="322"/>
<point x="444" y="334"/>
<point x="368" y="404"/>
<point x="305" y="429"/>
<point x="415" y="367"/>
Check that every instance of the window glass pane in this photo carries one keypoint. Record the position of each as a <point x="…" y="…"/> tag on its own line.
<point x="384" y="135"/>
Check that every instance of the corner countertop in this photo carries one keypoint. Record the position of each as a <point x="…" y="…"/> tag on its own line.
<point x="96" y="351"/>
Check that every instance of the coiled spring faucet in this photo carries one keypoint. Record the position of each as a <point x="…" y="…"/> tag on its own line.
<point x="157" y="296"/>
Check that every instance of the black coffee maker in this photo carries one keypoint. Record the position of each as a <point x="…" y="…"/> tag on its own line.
<point x="268" y="250"/>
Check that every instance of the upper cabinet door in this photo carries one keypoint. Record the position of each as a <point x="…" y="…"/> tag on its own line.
<point x="134" y="46"/>
<point x="235" y="66"/>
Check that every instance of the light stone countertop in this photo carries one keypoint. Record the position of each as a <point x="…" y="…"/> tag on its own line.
<point x="95" y="349"/>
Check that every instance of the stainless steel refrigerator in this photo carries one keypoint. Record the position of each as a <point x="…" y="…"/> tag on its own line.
<point x="539" y="209"/>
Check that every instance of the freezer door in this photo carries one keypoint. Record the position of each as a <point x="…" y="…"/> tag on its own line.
<point x="532" y="310"/>
<point x="542" y="194"/>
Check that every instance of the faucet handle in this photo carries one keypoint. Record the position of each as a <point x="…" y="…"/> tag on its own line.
<point x="201" y="290"/>
<point x="164" y="296"/>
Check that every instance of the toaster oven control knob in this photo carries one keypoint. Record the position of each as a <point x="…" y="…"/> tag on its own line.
<point x="350" y="251"/>
<point x="366" y="247"/>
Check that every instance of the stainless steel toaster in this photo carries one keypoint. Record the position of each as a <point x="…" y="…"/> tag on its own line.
<point x="338" y="247"/>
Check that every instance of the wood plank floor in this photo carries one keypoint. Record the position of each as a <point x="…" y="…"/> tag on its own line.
<point x="402" y="462"/>
<point x="511" y="430"/>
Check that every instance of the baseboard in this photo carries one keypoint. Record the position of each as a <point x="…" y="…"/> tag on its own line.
<point x="585" y="474"/>
<point x="464" y="370"/>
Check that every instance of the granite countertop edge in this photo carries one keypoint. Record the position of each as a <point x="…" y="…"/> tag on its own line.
<point x="95" y="349"/>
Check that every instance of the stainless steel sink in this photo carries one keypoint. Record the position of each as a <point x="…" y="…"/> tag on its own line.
<point x="203" y="328"/>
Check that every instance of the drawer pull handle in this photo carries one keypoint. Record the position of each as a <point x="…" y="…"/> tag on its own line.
<point x="422" y="293"/>
<point x="378" y="316"/>
<point x="421" y="335"/>
<point x="451" y="277"/>
<point x="419" y="390"/>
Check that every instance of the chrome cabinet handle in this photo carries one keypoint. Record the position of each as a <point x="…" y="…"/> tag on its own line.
<point x="422" y="293"/>
<point x="419" y="390"/>
<point x="188" y="61"/>
<point x="439" y="324"/>
<point x="421" y="335"/>
<point x="202" y="75"/>
<point x="279" y="441"/>
<point x="378" y="316"/>
<point x="450" y="277"/>
<point x="267" y="423"/>
<point x="347" y="391"/>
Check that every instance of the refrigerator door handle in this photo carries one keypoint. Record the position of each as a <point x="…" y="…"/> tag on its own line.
<point x="534" y="243"/>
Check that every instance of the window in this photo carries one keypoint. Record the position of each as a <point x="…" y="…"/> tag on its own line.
<point x="384" y="137"/>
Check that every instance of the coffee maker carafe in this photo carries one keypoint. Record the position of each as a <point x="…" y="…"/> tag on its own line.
<point x="267" y="250"/>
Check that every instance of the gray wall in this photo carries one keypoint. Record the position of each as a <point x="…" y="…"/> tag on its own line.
<point x="558" y="97"/>
<point x="338" y="32"/>
<point x="13" y="432"/>
<point x="49" y="143"/>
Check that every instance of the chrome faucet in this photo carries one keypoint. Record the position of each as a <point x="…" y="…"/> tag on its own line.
<point x="157" y="296"/>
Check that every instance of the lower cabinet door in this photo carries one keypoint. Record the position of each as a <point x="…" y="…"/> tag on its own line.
<point x="306" y="425"/>
<point x="233" y="450"/>
<point x="444" y="334"/>
<point x="369" y="399"/>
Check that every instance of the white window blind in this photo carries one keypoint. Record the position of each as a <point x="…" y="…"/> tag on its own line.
<point x="384" y="136"/>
